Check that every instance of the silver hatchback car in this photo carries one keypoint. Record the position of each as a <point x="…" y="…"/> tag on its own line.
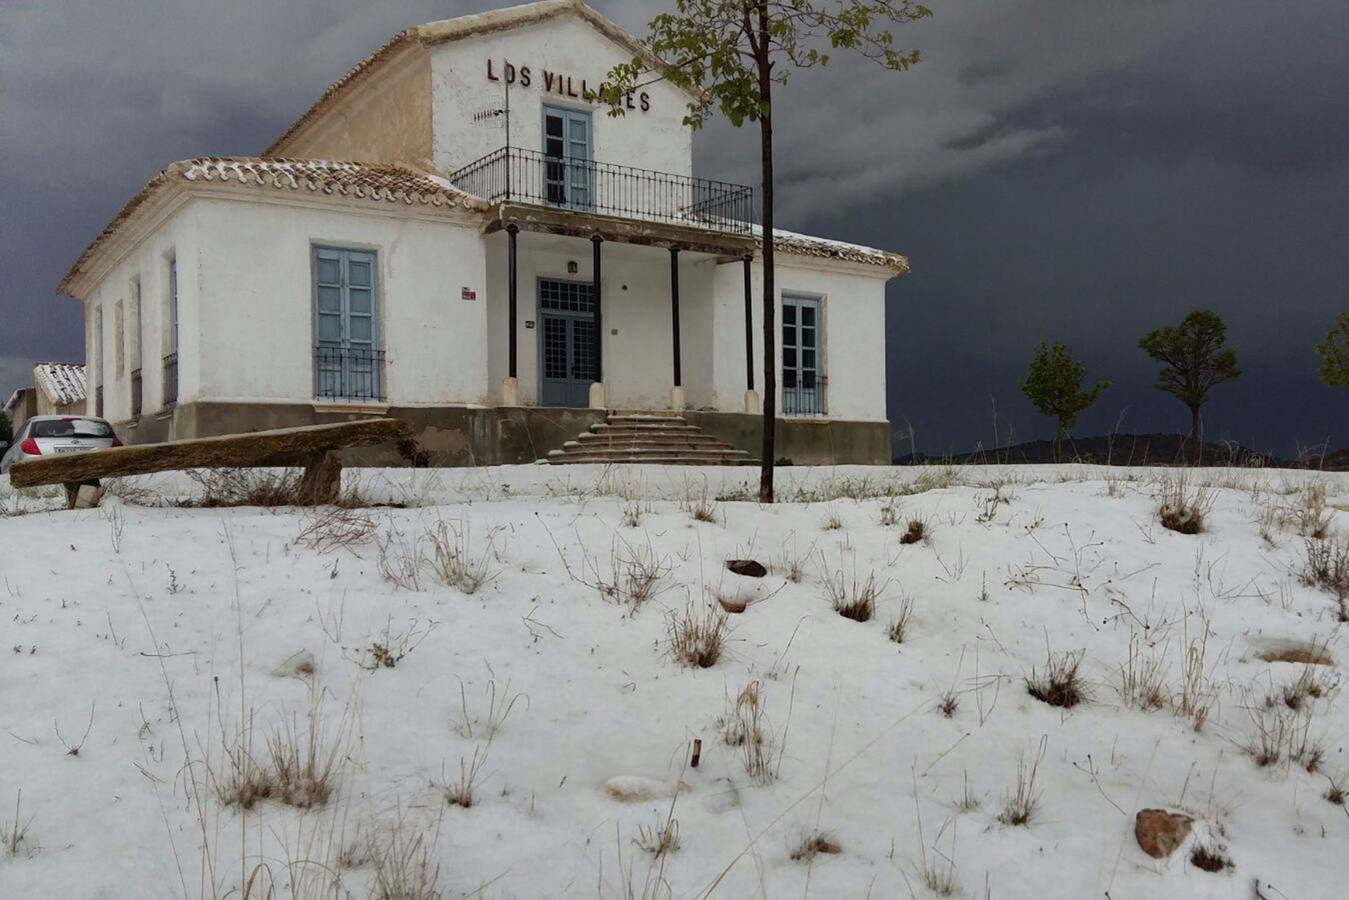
<point x="49" y="435"/>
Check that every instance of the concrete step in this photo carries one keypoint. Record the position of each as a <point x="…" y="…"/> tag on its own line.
<point x="643" y="427"/>
<point x="646" y="418"/>
<point x="687" y="438"/>
<point x="581" y="459"/>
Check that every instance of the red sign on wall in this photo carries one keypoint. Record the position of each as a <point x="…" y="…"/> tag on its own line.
<point x="469" y="294"/>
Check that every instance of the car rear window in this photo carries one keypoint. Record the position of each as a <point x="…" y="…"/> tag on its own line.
<point x="92" y="428"/>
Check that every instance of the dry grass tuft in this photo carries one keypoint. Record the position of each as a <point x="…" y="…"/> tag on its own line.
<point x="814" y="842"/>
<point x="1210" y="859"/>
<point x="461" y="792"/>
<point x="856" y="601"/>
<point x="658" y="839"/>
<point x="1182" y="510"/>
<point x="1327" y="567"/>
<point x="914" y="532"/>
<point x="697" y="637"/>
<point x="1020" y="805"/>
<point x="329" y="528"/>
<point x="899" y="625"/>
<point x="1142" y="677"/>
<point x="744" y="725"/>
<point x="405" y="866"/>
<point x="1060" y="684"/>
<point x="452" y="561"/>
<point x="244" y="487"/>
<point x="14" y="834"/>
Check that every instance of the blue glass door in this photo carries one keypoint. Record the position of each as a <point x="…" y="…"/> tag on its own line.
<point x="801" y="356"/>
<point x="568" y="172"/>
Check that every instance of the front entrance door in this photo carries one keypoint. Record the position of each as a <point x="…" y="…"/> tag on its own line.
<point x="800" y="356"/>
<point x="566" y="342"/>
<point x="567" y="151"/>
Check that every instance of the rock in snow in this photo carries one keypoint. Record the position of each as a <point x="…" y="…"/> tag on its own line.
<point x="1159" y="832"/>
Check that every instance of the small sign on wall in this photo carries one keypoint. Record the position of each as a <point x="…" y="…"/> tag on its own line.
<point x="469" y="294"/>
<point x="529" y="323"/>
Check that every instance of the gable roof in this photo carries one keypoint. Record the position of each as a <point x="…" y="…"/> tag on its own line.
<point x="62" y="383"/>
<point x="462" y="27"/>
<point x="376" y="182"/>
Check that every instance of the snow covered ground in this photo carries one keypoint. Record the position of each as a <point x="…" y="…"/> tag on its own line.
<point x="151" y="652"/>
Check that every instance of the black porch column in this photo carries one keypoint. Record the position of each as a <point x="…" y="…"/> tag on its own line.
<point x="595" y="242"/>
<point x="674" y="309"/>
<point x="749" y="328"/>
<point x="511" y="231"/>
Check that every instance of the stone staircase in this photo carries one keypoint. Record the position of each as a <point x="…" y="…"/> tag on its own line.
<point x="659" y="439"/>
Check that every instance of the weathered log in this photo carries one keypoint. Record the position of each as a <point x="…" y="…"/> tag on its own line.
<point x="322" y="481"/>
<point x="279" y="446"/>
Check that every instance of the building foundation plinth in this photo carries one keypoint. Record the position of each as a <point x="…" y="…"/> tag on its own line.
<point x="597" y="395"/>
<point x="752" y="402"/>
<point x="510" y="392"/>
<point x="677" y="399"/>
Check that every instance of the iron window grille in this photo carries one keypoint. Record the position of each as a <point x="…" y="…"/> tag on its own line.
<point x="348" y="373"/>
<point x="529" y="176"/>
<point x="136" y="388"/>
<point x="171" y="379"/>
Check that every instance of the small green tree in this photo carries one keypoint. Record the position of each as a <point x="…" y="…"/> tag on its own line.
<point x="1054" y="384"/>
<point x="1195" y="360"/>
<point x="1334" y="352"/>
<point x="730" y="54"/>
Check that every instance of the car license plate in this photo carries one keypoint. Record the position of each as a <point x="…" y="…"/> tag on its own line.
<point x="70" y="449"/>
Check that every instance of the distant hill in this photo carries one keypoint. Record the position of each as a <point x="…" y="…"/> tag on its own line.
<point x="1131" y="450"/>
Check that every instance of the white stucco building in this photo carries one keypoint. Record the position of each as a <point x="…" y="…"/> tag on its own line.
<point x="454" y="234"/>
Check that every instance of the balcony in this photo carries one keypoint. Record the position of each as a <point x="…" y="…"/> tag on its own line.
<point x="515" y="175"/>
<point x="348" y="373"/>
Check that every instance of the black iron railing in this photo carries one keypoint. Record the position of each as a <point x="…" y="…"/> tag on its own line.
<point x="528" y="176"/>
<point x="348" y="373"/>
<point x="170" y="379"/>
<point x="136" y="392"/>
<point x="800" y="400"/>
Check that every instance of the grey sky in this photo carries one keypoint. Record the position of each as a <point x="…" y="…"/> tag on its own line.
<point x="1076" y="170"/>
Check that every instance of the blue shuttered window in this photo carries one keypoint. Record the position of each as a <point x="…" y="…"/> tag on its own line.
<point x="347" y="357"/>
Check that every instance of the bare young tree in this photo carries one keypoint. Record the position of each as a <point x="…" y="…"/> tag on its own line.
<point x="730" y="54"/>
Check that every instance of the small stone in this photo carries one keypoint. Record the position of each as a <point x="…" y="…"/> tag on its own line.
<point x="735" y="604"/>
<point x="747" y="567"/>
<point x="1159" y="832"/>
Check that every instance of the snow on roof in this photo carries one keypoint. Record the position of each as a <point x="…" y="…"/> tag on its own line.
<point x="463" y="27"/>
<point x="63" y="383"/>
<point x="809" y="245"/>
<point x="381" y="182"/>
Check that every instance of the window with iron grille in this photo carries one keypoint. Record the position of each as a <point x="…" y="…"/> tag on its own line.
<point x="348" y="361"/>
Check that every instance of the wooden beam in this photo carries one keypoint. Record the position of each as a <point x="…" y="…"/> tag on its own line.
<point x="282" y="446"/>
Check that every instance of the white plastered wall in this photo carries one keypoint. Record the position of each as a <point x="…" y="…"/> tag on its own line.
<point x="852" y="337"/>
<point x="655" y="139"/>
<point x="635" y="303"/>
<point x="175" y="237"/>
<point x="245" y="296"/>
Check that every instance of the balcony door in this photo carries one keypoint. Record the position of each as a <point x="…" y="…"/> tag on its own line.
<point x="346" y="339"/>
<point x="568" y="170"/>
<point x="801" y="356"/>
<point x="566" y="342"/>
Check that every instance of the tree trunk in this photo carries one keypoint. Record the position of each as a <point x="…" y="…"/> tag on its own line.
<point x="1196" y="433"/>
<point x="770" y="379"/>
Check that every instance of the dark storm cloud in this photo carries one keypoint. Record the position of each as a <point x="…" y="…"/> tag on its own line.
<point x="1078" y="171"/>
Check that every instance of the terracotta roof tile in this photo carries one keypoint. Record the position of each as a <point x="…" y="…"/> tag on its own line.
<point x="380" y="182"/>
<point x="63" y="383"/>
